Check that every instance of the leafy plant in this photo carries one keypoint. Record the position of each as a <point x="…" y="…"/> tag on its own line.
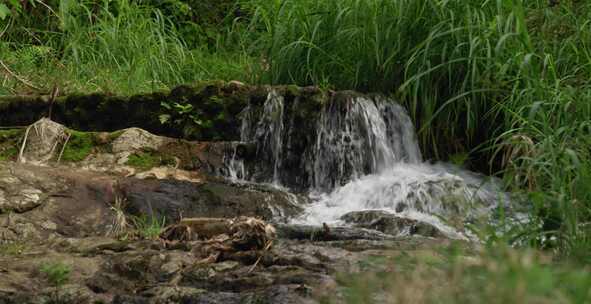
<point x="188" y="117"/>
<point x="4" y="11"/>
<point x="148" y="227"/>
<point x="183" y="113"/>
<point x="8" y="7"/>
<point x="56" y="274"/>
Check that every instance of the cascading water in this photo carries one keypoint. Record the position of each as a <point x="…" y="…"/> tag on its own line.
<point x="437" y="194"/>
<point x="364" y="156"/>
<point x="236" y="170"/>
<point x="270" y="130"/>
<point x="359" y="137"/>
<point x="268" y="134"/>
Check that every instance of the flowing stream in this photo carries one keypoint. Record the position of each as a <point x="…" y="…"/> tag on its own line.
<point x="364" y="156"/>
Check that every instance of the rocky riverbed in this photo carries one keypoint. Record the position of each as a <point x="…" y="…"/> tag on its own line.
<point x="93" y="202"/>
<point x="64" y="215"/>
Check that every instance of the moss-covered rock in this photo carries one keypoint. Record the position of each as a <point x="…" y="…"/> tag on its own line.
<point x="8" y="153"/>
<point x="147" y="159"/>
<point x="205" y="111"/>
<point x="78" y="146"/>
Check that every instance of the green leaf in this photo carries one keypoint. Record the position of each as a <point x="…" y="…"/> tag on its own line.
<point x="4" y="11"/>
<point x="164" y="118"/>
<point x="165" y="105"/>
<point x="573" y="157"/>
<point x="183" y="109"/>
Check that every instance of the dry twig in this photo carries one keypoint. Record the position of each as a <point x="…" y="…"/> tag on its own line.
<point x="63" y="148"/>
<point x="22" y="80"/>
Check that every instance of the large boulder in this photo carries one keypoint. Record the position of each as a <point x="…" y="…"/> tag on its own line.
<point x="174" y="199"/>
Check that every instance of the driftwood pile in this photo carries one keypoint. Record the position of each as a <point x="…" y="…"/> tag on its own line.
<point x="212" y="238"/>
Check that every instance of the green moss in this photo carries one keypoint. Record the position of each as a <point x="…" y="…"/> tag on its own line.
<point x="148" y="159"/>
<point x="9" y="143"/>
<point x="114" y="135"/>
<point x="10" y="134"/>
<point x="8" y="153"/>
<point x="294" y="90"/>
<point x="12" y="249"/>
<point x="79" y="146"/>
<point x="200" y="86"/>
<point x="143" y="160"/>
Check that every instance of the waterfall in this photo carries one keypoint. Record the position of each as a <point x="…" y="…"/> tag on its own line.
<point x="353" y="137"/>
<point x="236" y="170"/>
<point x="267" y="133"/>
<point x="356" y="153"/>
<point x="359" y="137"/>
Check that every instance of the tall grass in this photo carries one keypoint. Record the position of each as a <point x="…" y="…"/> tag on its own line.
<point x="507" y="81"/>
<point x="118" y="46"/>
<point x="449" y="61"/>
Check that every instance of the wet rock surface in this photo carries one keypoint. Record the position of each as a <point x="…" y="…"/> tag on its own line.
<point x="292" y="272"/>
<point x="391" y="224"/>
<point x="96" y="202"/>
<point x="173" y="199"/>
<point x="70" y="222"/>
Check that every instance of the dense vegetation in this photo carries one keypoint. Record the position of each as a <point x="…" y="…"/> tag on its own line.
<point x="500" y="86"/>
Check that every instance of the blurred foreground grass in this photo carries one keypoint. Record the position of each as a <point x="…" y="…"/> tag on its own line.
<point x="456" y="275"/>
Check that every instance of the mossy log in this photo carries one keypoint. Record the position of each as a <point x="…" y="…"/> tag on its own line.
<point x="216" y="105"/>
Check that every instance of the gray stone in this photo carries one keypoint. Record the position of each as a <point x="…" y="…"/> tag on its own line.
<point x="44" y="140"/>
<point x="391" y="223"/>
<point x="170" y="268"/>
<point x="22" y="199"/>
<point x="134" y="139"/>
<point x="172" y="294"/>
<point x="225" y="266"/>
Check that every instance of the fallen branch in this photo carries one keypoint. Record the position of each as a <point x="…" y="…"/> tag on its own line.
<point x="215" y="238"/>
<point x="22" y="80"/>
<point x="20" y="155"/>
<point x="63" y="148"/>
<point x="261" y="256"/>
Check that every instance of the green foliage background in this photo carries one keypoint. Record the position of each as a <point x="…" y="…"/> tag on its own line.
<point x="502" y="85"/>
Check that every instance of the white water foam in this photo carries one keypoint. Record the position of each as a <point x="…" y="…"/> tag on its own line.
<point x="424" y="192"/>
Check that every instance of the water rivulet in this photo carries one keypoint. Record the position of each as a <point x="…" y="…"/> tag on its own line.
<point x="357" y="152"/>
